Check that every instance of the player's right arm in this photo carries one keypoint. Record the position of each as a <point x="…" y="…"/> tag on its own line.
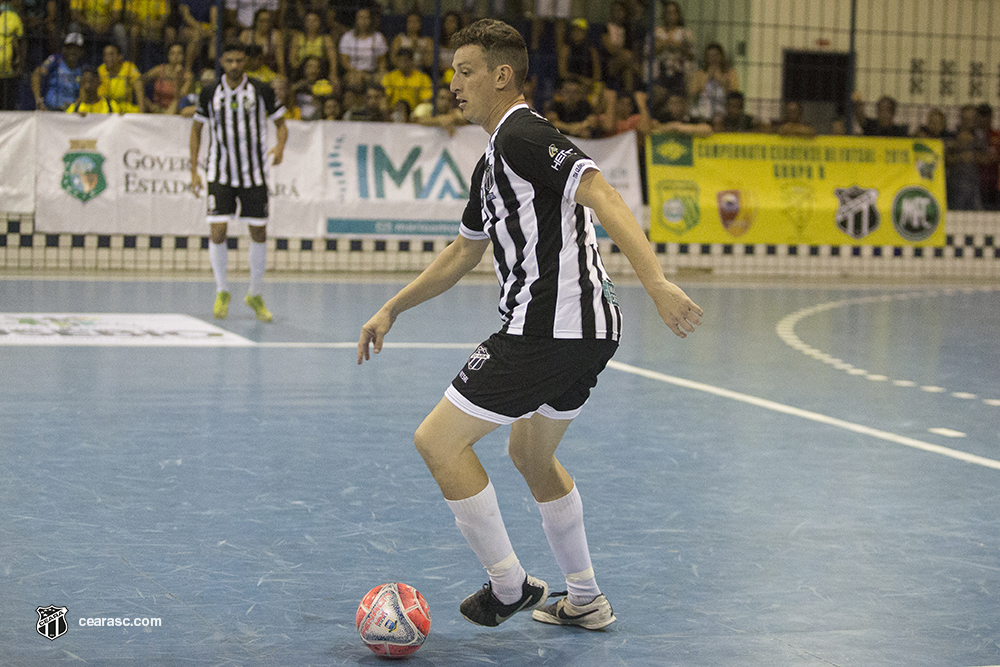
<point x="460" y="257"/>
<point x="195" y="146"/>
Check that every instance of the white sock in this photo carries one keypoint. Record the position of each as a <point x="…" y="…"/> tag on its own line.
<point x="562" y="521"/>
<point x="218" y="256"/>
<point x="482" y="526"/>
<point x="258" y="262"/>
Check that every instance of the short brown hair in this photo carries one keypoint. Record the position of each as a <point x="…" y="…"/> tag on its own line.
<point x="502" y="43"/>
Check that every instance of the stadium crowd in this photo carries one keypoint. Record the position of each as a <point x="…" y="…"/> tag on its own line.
<point x="326" y="62"/>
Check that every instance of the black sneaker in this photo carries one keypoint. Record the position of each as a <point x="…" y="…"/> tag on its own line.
<point x="594" y="615"/>
<point x="483" y="607"/>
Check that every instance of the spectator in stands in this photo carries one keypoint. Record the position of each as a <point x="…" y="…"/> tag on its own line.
<point x="41" y="22"/>
<point x="571" y="113"/>
<point x="549" y="12"/>
<point x="372" y="106"/>
<point x="989" y="173"/>
<point x="791" y="125"/>
<point x="413" y="39"/>
<point x="400" y="112"/>
<point x="240" y="13"/>
<point x="90" y="101"/>
<point x="121" y="81"/>
<point x="578" y="59"/>
<point x="305" y="96"/>
<point x="674" y="53"/>
<point x="736" y="119"/>
<point x="268" y="39"/>
<point x="407" y="83"/>
<point x="313" y="42"/>
<point x="363" y="51"/>
<point x="451" y="22"/>
<point x="617" y="53"/>
<point x="13" y="54"/>
<point x="620" y="114"/>
<point x="332" y="109"/>
<point x="670" y="116"/>
<point x="963" y="156"/>
<point x="443" y="113"/>
<point x="56" y="82"/>
<point x="100" y="21"/>
<point x="884" y="123"/>
<point x="188" y="105"/>
<point x="199" y="22"/>
<point x="285" y="96"/>
<point x="146" y="24"/>
<point x="170" y="81"/>
<point x="256" y="67"/>
<point x="710" y="85"/>
<point x="936" y="127"/>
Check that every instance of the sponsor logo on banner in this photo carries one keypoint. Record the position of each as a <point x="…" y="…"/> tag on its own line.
<point x="679" y="205"/>
<point x="915" y="213"/>
<point x="151" y="173"/>
<point x="51" y="621"/>
<point x="734" y="211"/>
<point x="444" y="180"/>
<point x="925" y="159"/>
<point x="83" y="176"/>
<point x="857" y="215"/>
<point x="797" y="202"/>
<point x="673" y="150"/>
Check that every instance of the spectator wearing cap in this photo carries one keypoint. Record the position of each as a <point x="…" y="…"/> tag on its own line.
<point x="578" y="58"/>
<point x="90" y="100"/>
<point x="56" y="82"/>
<point x="407" y="83"/>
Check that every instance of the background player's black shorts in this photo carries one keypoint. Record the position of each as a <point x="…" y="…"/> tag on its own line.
<point x="509" y="377"/>
<point x="222" y="202"/>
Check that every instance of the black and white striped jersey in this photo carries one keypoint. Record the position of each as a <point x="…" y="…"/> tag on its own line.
<point x="552" y="281"/>
<point x="237" y="120"/>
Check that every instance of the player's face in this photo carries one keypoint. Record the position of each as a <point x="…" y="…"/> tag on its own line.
<point x="233" y="64"/>
<point x="473" y="84"/>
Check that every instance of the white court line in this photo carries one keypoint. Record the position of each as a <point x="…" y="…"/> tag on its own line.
<point x="806" y="414"/>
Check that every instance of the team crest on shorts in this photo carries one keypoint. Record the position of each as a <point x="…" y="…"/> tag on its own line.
<point x="478" y="358"/>
<point x="51" y="621"/>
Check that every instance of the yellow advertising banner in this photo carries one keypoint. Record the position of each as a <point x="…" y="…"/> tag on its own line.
<point x="762" y="188"/>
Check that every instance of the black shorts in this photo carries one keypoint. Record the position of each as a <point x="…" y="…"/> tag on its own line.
<point x="510" y="377"/>
<point x="252" y="203"/>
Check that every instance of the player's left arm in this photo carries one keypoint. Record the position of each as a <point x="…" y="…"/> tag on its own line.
<point x="278" y="151"/>
<point x="676" y="309"/>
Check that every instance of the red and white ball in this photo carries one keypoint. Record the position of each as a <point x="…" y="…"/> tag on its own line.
<point x="393" y="620"/>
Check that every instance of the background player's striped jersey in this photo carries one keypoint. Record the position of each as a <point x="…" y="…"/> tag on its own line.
<point x="553" y="283"/>
<point x="238" y="120"/>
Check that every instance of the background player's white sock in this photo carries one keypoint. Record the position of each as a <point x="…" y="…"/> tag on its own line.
<point x="258" y="262"/>
<point x="562" y="521"/>
<point x="482" y="526"/>
<point x="218" y="256"/>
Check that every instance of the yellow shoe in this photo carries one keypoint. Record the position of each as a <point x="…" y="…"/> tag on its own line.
<point x="257" y="303"/>
<point x="221" y="307"/>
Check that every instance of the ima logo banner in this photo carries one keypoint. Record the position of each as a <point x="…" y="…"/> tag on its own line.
<point x="51" y="621"/>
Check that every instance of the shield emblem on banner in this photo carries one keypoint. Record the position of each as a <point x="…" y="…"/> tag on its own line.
<point x="52" y="621"/>
<point x="83" y="177"/>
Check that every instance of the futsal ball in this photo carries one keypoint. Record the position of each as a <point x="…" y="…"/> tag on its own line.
<point x="393" y="620"/>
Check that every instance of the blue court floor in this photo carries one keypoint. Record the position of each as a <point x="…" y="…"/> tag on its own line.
<point x="812" y="478"/>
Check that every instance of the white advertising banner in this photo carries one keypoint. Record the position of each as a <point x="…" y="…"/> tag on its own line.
<point x="131" y="175"/>
<point x="17" y="162"/>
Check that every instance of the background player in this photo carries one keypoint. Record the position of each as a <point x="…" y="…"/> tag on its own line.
<point x="237" y="109"/>
<point x="561" y="326"/>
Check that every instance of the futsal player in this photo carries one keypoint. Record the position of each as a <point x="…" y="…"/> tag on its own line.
<point x="561" y="325"/>
<point x="237" y="110"/>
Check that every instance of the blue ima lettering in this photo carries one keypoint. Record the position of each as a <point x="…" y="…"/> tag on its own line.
<point x="452" y="185"/>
